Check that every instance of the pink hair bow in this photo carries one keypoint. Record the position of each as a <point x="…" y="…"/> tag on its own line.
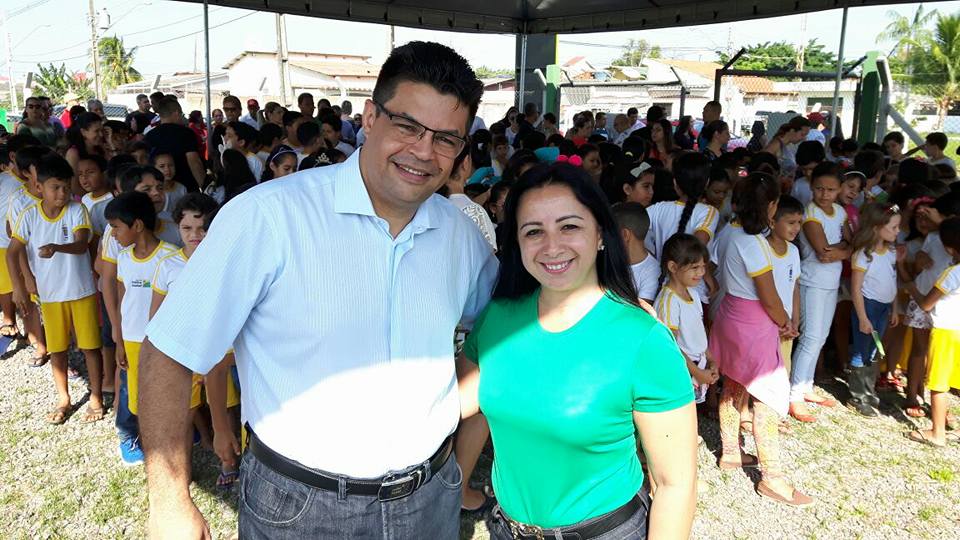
<point x="576" y="161"/>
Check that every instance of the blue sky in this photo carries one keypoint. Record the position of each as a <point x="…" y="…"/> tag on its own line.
<point x="57" y="31"/>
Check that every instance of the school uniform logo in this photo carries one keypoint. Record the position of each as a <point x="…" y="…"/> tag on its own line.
<point x="141" y="283"/>
<point x="65" y="232"/>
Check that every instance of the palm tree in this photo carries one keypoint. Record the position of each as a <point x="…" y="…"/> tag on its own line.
<point x="907" y="33"/>
<point x="116" y="63"/>
<point x="944" y="60"/>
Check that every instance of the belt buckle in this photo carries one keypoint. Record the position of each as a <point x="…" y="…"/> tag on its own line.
<point x="398" y="488"/>
<point x="522" y="530"/>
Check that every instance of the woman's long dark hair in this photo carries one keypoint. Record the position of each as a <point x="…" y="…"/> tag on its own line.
<point x="236" y="173"/>
<point x="613" y="271"/>
<point x="691" y="172"/>
<point x="75" y="137"/>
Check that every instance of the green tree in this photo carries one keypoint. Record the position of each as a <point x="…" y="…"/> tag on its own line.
<point x="783" y="56"/>
<point x="55" y="82"/>
<point x="484" y="72"/>
<point x="936" y="64"/>
<point x="635" y="52"/>
<point x="116" y="63"/>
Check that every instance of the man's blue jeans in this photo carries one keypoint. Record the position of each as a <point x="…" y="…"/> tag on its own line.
<point x="273" y="506"/>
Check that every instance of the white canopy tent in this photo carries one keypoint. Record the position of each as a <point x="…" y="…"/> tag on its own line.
<point x="525" y="17"/>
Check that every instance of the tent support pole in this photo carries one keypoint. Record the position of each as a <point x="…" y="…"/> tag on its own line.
<point x="206" y="61"/>
<point x="836" y="84"/>
<point x="522" y="80"/>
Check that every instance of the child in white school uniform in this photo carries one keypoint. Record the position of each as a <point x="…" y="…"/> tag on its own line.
<point x="874" y="290"/>
<point x="55" y="234"/>
<point x="687" y="214"/>
<point x="193" y="215"/>
<point x="929" y="264"/>
<point x="824" y="242"/>
<point x="678" y="306"/>
<point x="943" y="372"/>
<point x="634" y="223"/>
<point x="786" y="266"/>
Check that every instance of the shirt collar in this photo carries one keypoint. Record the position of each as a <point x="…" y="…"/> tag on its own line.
<point x="350" y="196"/>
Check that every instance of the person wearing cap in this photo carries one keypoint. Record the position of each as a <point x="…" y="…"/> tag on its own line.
<point x="816" y="124"/>
<point x="253" y="107"/>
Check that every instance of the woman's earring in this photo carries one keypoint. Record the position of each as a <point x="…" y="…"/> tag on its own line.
<point x="600" y="248"/>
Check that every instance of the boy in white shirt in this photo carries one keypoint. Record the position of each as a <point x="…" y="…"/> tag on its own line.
<point x="634" y="224"/>
<point x="10" y="183"/>
<point x="91" y="173"/>
<point x="26" y="195"/>
<point x="55" y="234"/>
<point x="787" y="223"/>
<point x="132" y="219"/>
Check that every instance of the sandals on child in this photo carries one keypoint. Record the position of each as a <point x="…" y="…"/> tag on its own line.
<point x="91" y="415"/>
<point x="58" y="416"/>
<point x="797" y="498"/>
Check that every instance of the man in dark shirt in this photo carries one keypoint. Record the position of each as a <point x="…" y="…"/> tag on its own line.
<point x="531" y="114"/>
<point x="139" y="119"/>
<point x="172" y="137"/>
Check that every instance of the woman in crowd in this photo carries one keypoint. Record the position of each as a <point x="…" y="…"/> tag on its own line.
<point x="717" y="135"/>
<point x="35" y="123"/>
<point x="683" y="136"/>
<point x="565" y="321"/>
<point x="661" y="134"/>
<point x="758" y="137"/>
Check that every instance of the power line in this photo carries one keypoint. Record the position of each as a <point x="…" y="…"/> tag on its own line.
<point x="26" y="8"/>
<point x="144" y="45"/>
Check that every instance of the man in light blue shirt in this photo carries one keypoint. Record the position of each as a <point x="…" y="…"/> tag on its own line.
<point x="340" y="289"/>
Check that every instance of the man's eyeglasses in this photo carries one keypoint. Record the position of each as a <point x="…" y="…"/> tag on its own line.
<point x="410" y="131"/>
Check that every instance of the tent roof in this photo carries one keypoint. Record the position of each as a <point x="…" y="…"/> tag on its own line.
<point x="544" y="16"/>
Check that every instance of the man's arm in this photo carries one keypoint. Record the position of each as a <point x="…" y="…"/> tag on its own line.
<point x="196" y="168"/>
<point x="165" y="426"/>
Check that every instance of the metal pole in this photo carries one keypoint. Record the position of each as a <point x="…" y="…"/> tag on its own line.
<point x="206" y="62"/>
<point x="836" y="85"/>
<point x="521" y="86"/>
<point x="93" y="49"/>
<point x="280" y="58"/>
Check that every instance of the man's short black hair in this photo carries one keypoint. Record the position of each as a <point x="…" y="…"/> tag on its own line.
<point x="168" y="106"/>
<point x="530" y="108"/>
<point x="129" y="207"/>
<point x="433" y="64"/>
<point x="937" y="139"/>
<point x="52" y="165"/>
<point x="290" y="117"/>
<point x="232" y="99"/>
<point x="632" y="111"/>
<point x="550" y="117"/>
<point x="654" y="113"/>
<point x="244" y="131"/>
<point x="894" y="136"/>
<point x="156" y="96"/>
<point x="199" y="203"/>
<point x="308" y="132"/>
<point x="810" y="152"/>
<point x="303" y="96"/>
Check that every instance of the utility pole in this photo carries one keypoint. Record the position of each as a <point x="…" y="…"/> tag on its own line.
<point x="801" y="49"/>
<point x="11" y="83"/>
<point x="393" y="43"/>
<point x="94" y="45"/>
<point x="283" y="57"/>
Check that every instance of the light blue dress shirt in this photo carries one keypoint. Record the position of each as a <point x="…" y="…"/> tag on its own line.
<point x="344" y="335"/>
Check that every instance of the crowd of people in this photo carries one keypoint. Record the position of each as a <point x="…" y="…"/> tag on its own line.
<point x="599" y="286"/>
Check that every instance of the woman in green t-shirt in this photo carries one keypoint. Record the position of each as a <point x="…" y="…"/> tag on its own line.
<point x="568" y="368"/>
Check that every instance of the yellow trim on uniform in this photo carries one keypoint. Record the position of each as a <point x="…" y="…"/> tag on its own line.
<point x="59" y="216"/>
<point x="760" y="272"/>
<point x="81" y="227"/>
<point x="777" y="255"/>
<point x="81" y="316"/>
<point x="96" y="199"/>
<point x="19" y="238"/>
<point x="812" y="220"/>
<point x="148" y="257"/>
<point x="943" y="277"/>
<point x="858" y="267"/>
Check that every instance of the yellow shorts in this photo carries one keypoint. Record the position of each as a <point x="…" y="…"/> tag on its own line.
<point x="132" y="348"/>
<point x="943" y="360"/>
<point x="198" y="396"/>
<point x="6" y="286"/>
<point x="80" y="315"/>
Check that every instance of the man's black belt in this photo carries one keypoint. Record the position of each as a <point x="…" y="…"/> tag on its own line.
<point x="386" y="488"/>
<point x="599" y="527"/>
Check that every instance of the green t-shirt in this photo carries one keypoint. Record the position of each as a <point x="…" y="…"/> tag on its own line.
<point x="560" y="405"/>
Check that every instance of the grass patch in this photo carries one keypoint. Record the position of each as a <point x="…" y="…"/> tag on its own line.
<point x="942" y="475"/>
<point x="928" y="512"/>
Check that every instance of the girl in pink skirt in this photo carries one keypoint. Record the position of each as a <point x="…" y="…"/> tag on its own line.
<point x="745" y="343"/>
